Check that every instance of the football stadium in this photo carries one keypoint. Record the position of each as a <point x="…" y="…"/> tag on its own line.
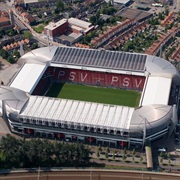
<point x="93" y="96"/>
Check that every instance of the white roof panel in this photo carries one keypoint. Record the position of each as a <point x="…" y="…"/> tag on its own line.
<point x="157" y="91"/>
<point x="121" y="1"/>
<point x="27" y="77"/>
<point x="86" y="113"/>
<point x="78" y="22"/>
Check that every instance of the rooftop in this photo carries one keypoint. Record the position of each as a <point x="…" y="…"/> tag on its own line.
<point x="4" y="19"/>
<point x="74" y="112"/>
<point x="100" y="59"/>
<point x="53" y="26"/>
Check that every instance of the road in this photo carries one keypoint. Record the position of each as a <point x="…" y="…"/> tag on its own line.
<point x="23" y="25"/>
<point x="7" y="7"/>
<point x="91" y="175"/>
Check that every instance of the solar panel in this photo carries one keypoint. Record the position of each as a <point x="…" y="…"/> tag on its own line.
<point x="100" y="58"/>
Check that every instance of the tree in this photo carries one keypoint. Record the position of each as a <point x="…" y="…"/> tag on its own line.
<point x="16" y="54"/>
<point x="161" y="16"/>
<point x="133" y="158"/>
<point x="134" y="152"/>
<point x="94" y="19"/>
<point x="100" y="148"/>
<point x="161" y="160"/>
<point x="60" y="6"/>
<point x="2" y="32"/>
<point x="166" y="12"/>
<point x="11" y="32"/>
<point x="36" y="152"/>
<point x="98" y="153"/>
<point x="124" y="157"/>
<point x="106" y="155"/>
<point x="4" y="53"/>
<point x="114" y="156"/>
<point x="112" y="20"/>
<point x="161" y="154"/>
<point x="124" y="151"/>
<point x="169" y="162"/>
<point x="141" y="159"/>
<point x="107" y="150"/>
<point x="34" y="46"/>
<point x="11" y="59"/>
<point x="169" y="156"/>
<point x="27" y="34"/>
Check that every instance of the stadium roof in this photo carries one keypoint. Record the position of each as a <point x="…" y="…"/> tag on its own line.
<point x="28" y="77"/>
<point x="74" y="112"/>
<point x="157" y="91"/>
<point x="100" y="59"/>
<point x="13" y="98"/>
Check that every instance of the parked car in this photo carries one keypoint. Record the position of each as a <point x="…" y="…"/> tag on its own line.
<point x="162" y="149"/>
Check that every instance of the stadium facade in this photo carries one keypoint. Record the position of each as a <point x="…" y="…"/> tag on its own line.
<point x="28" y="111"/>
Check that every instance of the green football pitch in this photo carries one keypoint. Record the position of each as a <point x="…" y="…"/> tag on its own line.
<point x="95" y="94"/>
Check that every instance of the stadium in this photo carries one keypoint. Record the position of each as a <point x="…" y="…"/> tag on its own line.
<point x="92" y="95"/>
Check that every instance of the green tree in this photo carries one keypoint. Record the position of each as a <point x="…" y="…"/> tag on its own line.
<point x="98" y="153"/>
<point x="60" y="6"/>
<point x="161" y="160"/>
<point x="34" y="46"/>
<point x="11" y="59"/>
<point x="11" y="32"/>
<point x="124" y="151"/>
<point x="4" y="53"/>
<point x="100" y="148"/>
<point x="169" y="156"/>
<point x="141" y="159"/>
<point x="161" y="154"/>
<point x="169" y="162"/>
<point x="36" y="152"/>
<point x="114" y="157"/>
<point x="94" y="19"/>
<point x="27" y="34"/>
<point x="161" y="16"/>
<point x="134" y="152"/>
<point x="107" y="150"/>
<point x="166" y="12"/>
<point x="112" y="20"/>
<point x="133" y="158"/>
<point x="16" y="54"/>
<point x="124" y="157"/>
<point x="106" y="155"/>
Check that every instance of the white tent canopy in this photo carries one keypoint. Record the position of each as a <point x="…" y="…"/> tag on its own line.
<point x="28" y="77"/>
<point x="157" y="91"/>
<point x="83" y="113"/>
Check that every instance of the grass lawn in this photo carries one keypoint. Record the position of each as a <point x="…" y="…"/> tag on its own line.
<point x="39" y="28"/>
<point x="95" y="94"/>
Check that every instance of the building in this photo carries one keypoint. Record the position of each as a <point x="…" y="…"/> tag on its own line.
<point x="68" y="30"/>
<point x="124" y="2"/>
<point x="171" y="18"/>
<point x="28" y="18"/>
<point x="56" y="29"/>
<point x="6" y="19"/>
<point x="39" y="3"/>
<point x="155" y="48"/>
<point x="134" y="14"/>
<point x="111" y="32"/>
<point x="156" y="79"/>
